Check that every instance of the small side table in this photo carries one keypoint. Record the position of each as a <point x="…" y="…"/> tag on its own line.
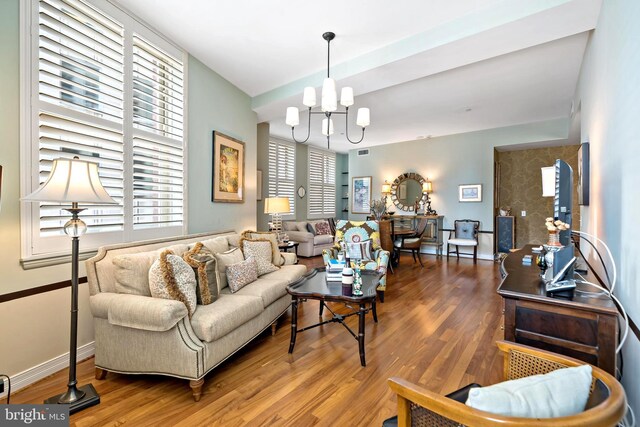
<point x="284" y="247"/>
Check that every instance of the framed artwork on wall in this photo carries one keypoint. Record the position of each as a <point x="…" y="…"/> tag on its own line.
<point x="583" y="174"/>
<point x="361" y="195"/>
<point x="470" y="193"/>
<point x="228" y="169"/>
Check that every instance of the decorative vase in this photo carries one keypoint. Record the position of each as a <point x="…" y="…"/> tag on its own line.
<point x="554" y="238"/>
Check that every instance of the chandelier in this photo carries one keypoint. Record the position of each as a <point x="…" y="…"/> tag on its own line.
<point x="328" y="106"/>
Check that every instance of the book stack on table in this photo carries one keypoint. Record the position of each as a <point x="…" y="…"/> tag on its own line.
<point x="334" y="270"/>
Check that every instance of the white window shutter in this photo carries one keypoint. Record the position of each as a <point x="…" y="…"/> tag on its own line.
<point x="282" y="171"/>
<point x="322" y="183"/>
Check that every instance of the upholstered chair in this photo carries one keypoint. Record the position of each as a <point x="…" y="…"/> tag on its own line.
<point x="413" y="242"/>
<point x="356" y="232"/>
<point x="465" y="233"/>
<point x="606" y="404"/>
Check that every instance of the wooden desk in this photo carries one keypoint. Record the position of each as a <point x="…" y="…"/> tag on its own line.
<point x="584" y="326"/>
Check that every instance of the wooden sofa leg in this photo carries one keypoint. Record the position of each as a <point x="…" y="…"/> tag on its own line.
<point x="100" y="374"/>
<point x="196" y="388"/>
<point x="273" y="327"/>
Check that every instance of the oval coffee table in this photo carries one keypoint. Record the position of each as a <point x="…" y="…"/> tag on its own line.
<point x="314" y="285"/>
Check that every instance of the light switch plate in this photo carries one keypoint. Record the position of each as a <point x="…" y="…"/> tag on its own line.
<point x="523" y="213"/>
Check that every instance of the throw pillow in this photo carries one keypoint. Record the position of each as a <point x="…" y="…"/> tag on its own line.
<point x="224" y="259"/>
<point x="170" y="277"/>
<point x="261" y="251"/>
<point x="272" y="237"/>
<point x="322" y="227"/>
<point x="310" y="229"/>
<point x="242" y="273"/>
<point x="359" y="250"/>
<point x="559" y="393"/>
<point x="217" y="244"/>
<point x="203" y="263"/>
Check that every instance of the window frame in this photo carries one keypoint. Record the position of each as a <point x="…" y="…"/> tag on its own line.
<point x="292" y="199"/>
<point x="325" y="213"/>
<point x="29" y="143"/>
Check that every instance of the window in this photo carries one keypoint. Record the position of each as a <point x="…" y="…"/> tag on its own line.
<point x="322" y="183"/>
<point x="282" y="171"/>
<point x="106" y="89"/>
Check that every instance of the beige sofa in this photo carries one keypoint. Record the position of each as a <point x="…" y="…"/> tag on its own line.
<point x="138" y="334"/>
<point x="310" y="244"/>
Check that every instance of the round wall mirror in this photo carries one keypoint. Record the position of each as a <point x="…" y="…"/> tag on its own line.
<point x="406" y="190"/>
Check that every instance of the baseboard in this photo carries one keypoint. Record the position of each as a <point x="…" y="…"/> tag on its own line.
<point x="431" y="250"/>
<point x="32" y="375"/>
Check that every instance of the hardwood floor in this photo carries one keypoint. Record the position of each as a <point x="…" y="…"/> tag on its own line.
<point x="437" y="327"/>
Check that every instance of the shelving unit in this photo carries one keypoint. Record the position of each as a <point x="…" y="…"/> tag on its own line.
<point x="345" y="195"/>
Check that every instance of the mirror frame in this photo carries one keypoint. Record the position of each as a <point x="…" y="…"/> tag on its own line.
<point x="394" y="190"/>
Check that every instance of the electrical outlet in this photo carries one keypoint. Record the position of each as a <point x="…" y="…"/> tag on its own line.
<point x="523" y="213"/>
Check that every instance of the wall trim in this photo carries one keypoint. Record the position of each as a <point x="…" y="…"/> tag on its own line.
<point x="39" y="290"/>
<point x="43" y="370"/>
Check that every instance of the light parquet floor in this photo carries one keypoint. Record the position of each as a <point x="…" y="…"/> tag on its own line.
<point x="437" y="327"/>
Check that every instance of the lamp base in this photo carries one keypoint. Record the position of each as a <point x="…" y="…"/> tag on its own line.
<point x="89" y="398"/>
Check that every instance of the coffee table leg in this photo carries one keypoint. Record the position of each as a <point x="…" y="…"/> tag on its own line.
<point x="373" y="310"/>
<point x="294" y="323"/>
<point x="361" y="313"/>
<point x="321" y="307"/>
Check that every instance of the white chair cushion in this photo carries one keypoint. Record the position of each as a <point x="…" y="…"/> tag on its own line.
<point x="463" y="242"/>
<point x="559" y="393"/>
<point x="398" y="242"/>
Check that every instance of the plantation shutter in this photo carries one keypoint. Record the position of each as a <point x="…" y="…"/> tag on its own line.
<point x="282" y="161"/>
<point x="322" y="183"/>
<point x="158" y="167"/>
<point x="80" y="105"/>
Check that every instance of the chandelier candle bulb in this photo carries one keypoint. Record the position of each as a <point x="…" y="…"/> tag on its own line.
<point x="346" y="96"/>
<point x="326" y="131"/>
<point x="363" y="117"/>
<point x="309" y="97"/>
<point x="293" y="116"/>
<point x="329" y="97"/>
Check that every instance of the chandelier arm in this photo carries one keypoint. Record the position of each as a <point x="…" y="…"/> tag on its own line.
<point x="308" y="130"/>
<point x="346" y="127"/>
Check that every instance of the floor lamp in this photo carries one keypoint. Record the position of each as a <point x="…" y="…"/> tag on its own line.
<point x="277" y="206"/>
<point x="73" y="181"/>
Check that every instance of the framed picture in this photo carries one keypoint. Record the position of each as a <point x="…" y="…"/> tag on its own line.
<point x="361" y="194"/>
<point x="470" y="193"/>
<point x="583" y="174"/>
<point x="228" y="169"/>
<point x="258" y="185"/>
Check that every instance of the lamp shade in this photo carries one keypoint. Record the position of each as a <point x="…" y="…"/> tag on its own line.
<point x="427" y="187"/>
<point x="329" y="96"/>
<point x="346" y="96"/>
<point x="72" y="180"/>
<point x="363" y="118"/>
<point x="276" y="205"/>
<point x="293" y="116"/>
<point x="548" y="181"/>
<point x="386" y="188"/>
<point x="327" y="127"/>
<point x="309" y="97"/>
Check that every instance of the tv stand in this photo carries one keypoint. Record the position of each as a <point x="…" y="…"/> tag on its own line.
<point x="581" y="325"/>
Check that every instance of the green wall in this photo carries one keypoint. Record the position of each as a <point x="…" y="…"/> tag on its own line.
<point x="608" y="94"/>
<point x="36" y="328"/>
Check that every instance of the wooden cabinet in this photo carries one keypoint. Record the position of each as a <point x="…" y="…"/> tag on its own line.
<point x="433" y="233"/>
<point x="505" y="233"/>
<point x="584" y="325"/>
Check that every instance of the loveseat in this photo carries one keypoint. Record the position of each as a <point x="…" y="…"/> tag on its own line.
<point x="139" y="334"/>
<point x="305" y="233"/>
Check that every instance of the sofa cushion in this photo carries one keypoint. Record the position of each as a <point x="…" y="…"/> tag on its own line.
<point x="242" y="273"/>
<point x="359" y="250"/>
<point x="310" y="229"/>
<point x="227" y="313"/>
<point x="261" y="250"/>
<point x="132" y="270"/>
<point x="233" y="240"/>
<point x="269" y="290"/>
<point x="302" y="226"/>
<point x="290" y="225"/>
<point x="232" y="256"/>
<point x="322" y="239"/>
<point x="262" y="235"/>
<point x="201" y="259"/>
<point x="322" y="227"/>
<point x="217" y="244"/>
<point x="287" y="274"/>
<point x="170" y="277"/>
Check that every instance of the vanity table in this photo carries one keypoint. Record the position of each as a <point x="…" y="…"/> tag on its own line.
<point x="584" y="326"/>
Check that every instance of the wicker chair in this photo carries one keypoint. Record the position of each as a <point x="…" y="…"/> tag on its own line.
<point x="420" y="407"/>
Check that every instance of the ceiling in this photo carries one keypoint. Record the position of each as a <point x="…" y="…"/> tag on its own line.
<point x="423" y="67"/>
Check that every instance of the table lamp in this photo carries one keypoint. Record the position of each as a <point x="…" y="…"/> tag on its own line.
<point x="73" y="181"/>
<point x="277" y="206"/>
<point x="427" y="188"/>
<point x="386" y="192"/>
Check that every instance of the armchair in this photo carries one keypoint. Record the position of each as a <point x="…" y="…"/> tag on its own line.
<point x="359" y="231"/>
<point x="465" y="233"/>
<point x="418" y="406"/>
